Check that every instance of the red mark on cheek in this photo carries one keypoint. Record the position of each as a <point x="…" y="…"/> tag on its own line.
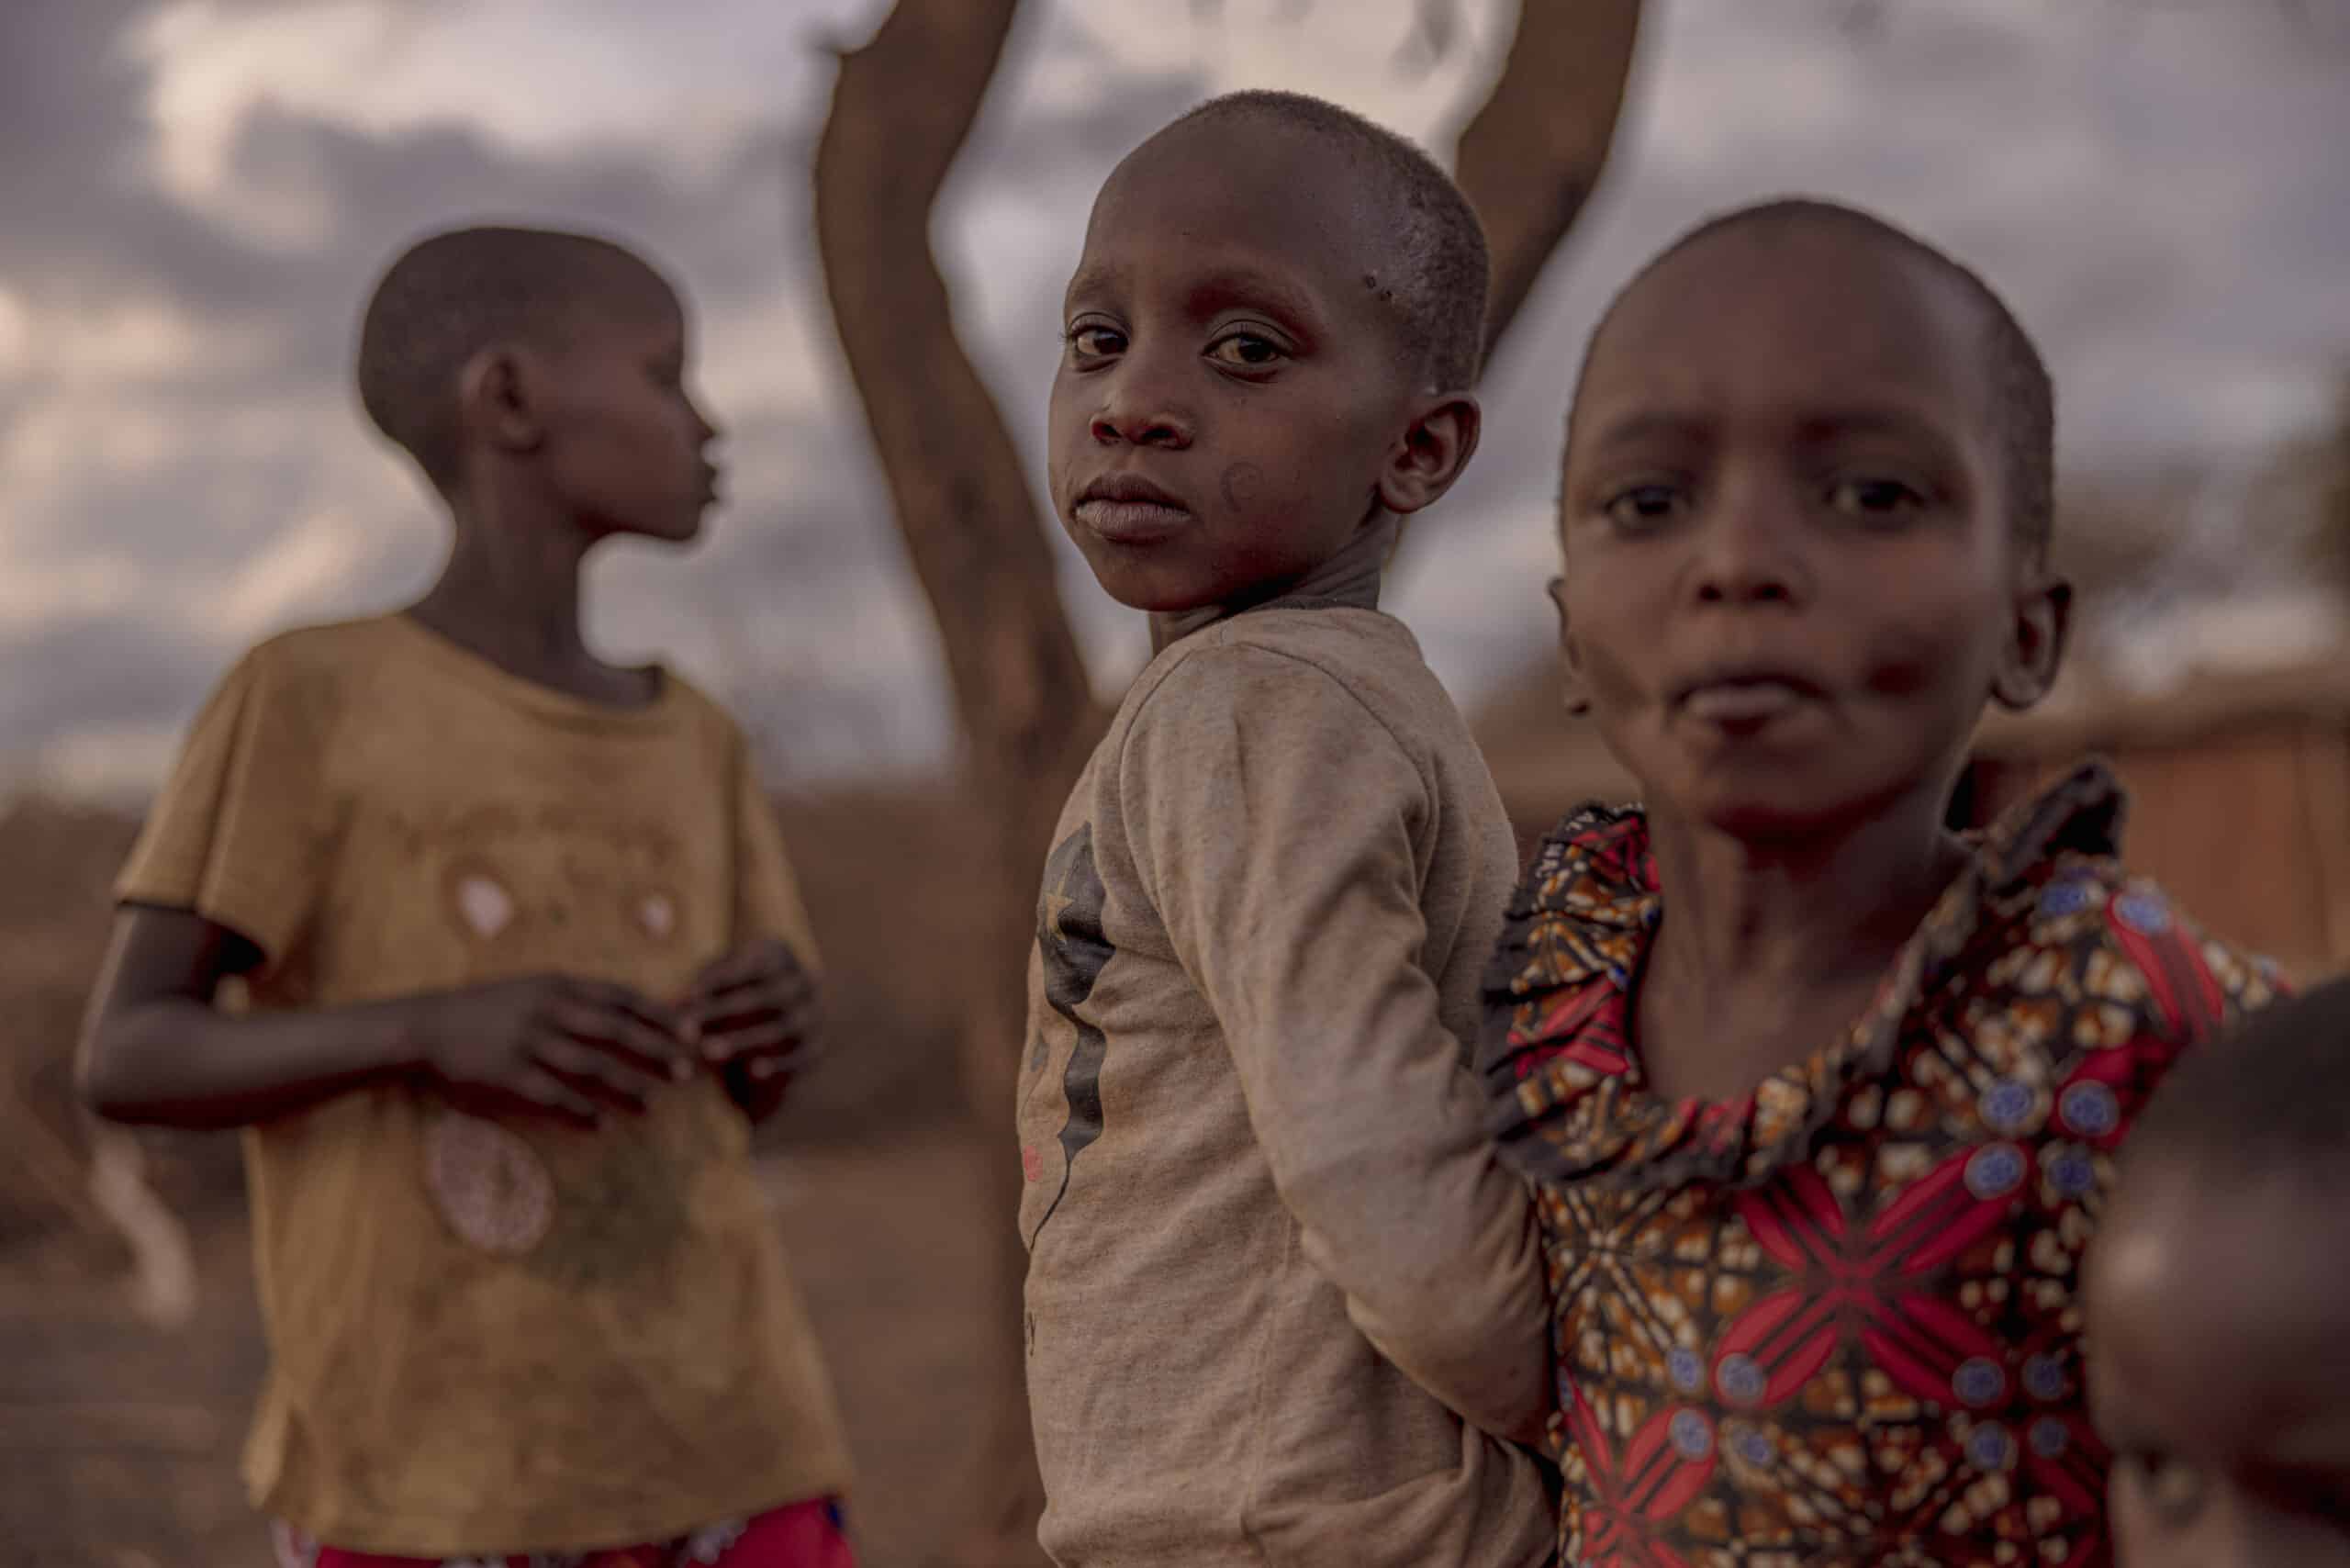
<point x="1032" y="1162"/>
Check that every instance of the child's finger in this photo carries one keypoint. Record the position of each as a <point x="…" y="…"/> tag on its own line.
<point x="762" y="1039"/>
<point x="619" y="1032"/>
<point x="785" y="995"/>
<point x="794" y="1028"/>
<point x="744" y="966"/>
<point x="597" y="1076"/>
<point x="542" y="1091"/>
<point x="660" y="1017"/>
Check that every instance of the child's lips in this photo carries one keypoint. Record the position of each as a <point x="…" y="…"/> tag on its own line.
<point x="1743" y="702"/>
<point x="1131" y="522"/>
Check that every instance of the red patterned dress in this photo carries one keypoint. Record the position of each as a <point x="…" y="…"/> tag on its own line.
<point x="1834" y="1321"/>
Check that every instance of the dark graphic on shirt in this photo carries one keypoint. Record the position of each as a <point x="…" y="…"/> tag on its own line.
<point x="1075" y="952"/>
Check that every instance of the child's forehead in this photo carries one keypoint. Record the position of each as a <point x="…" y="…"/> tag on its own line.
<point x="1217" y="194"/>
<point x="1794" y="317"/>
<point x="627" y="308"/>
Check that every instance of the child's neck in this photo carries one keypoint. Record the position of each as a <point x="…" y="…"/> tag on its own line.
<point x="1351" y="577"/>
<point x="1768" y="952"/>
<point x="509" y="593"/>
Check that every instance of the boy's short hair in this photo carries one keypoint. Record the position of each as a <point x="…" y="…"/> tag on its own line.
<point x="450" y="296"/>
<point x="2274" y="1096"/>
<point x="2023" y="397"/>
<point x="1436" y="272"/>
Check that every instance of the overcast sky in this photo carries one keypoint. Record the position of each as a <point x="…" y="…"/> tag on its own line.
<point x="200" y="192"/>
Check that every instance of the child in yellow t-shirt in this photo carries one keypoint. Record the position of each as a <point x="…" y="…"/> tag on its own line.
<point x="524" y="963"/>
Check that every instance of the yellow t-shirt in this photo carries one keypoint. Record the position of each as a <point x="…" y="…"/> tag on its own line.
<point x="496" y="1337"/>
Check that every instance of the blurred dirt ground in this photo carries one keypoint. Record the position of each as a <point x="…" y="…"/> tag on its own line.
<point x="118" y="1442"/>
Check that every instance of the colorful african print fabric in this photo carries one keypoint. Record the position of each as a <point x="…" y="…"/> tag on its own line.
<point x="1835" y="1321"/>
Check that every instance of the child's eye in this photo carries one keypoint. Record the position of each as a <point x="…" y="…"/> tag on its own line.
<point x="2171" y="1489"/>
<point x="1092" y="340"/>
<point x="1246" y="351"/>
<point x="1875" y="500"/>
<point x="1642" y="507"/>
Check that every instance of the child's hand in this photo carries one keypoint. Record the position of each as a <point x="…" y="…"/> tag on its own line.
<point x="547" y="1044"/>
<point x="753" y="1015"/>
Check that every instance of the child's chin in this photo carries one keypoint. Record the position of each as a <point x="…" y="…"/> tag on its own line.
<point x="1759" y="811"/>
<point x="1152" y="597"/>
<point x="684" y="532"/>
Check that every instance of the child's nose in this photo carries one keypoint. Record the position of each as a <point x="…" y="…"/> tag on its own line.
<point x="1157" y="430"/>
<point x="1137" y="411"/>
<point x="1747" y="554"/>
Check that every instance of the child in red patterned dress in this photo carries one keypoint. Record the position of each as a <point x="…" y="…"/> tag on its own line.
<point x="1818" y="1096"/>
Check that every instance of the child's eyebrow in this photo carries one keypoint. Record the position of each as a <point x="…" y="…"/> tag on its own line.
<point x="1825" y="429"/>
<point x="1245" y="286"/>
<point x="1642" y="425"/>
<point x="1096" y="278"/>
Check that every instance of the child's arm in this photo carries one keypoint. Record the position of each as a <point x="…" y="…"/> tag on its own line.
<point x="1274" y="817"/>
<point x="156" y="1051"/>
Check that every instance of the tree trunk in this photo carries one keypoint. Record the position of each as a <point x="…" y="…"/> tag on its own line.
<point x="901" y="109"/>
<point x="1532" y="156"/>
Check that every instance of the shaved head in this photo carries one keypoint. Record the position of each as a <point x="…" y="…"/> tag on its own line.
<point x="450" y="295"/>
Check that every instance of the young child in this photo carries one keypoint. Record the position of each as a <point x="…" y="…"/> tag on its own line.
<point x="523" y="960"/>
<point x="1818" y="1097"/>
<point x="2219" y="1305"/>
<point x="1266" y="1235"/>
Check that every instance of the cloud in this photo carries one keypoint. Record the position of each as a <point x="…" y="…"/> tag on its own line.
<point x="185" y="456"/>
<point x="218" y="181"/>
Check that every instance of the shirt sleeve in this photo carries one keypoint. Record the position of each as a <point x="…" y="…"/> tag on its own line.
<point x="767" y="895"/>
<point x="1276" y="823"/>
<point x="242" y="831"/>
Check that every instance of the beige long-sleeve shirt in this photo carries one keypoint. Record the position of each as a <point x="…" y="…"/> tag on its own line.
<point x="1272" y="1251"/>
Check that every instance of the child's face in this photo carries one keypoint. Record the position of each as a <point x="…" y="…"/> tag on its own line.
<point x="624" y="442"/>
<point x="1230" y="393"/>
<point x="1791" y="583"/>
<point x="2219" y="1359"/>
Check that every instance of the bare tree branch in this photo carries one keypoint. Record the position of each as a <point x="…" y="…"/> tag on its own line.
<point x="961" y="491"/>
<point x="1533" y="154"/>
<point x="1436" y="27"/>
<point x="901" y="109"/>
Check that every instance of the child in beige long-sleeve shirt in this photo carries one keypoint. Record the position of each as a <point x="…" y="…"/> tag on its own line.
<point x="1281" y="1294"/>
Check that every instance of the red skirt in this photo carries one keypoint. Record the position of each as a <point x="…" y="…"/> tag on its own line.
<point x="804" y="1535"/>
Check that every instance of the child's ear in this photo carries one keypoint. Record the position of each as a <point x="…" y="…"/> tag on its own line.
<point x="1569" y="657"/>
<point x="2035" y="649"/>
<point x="498" y="398"/>
<point x="1435" y="448"/>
